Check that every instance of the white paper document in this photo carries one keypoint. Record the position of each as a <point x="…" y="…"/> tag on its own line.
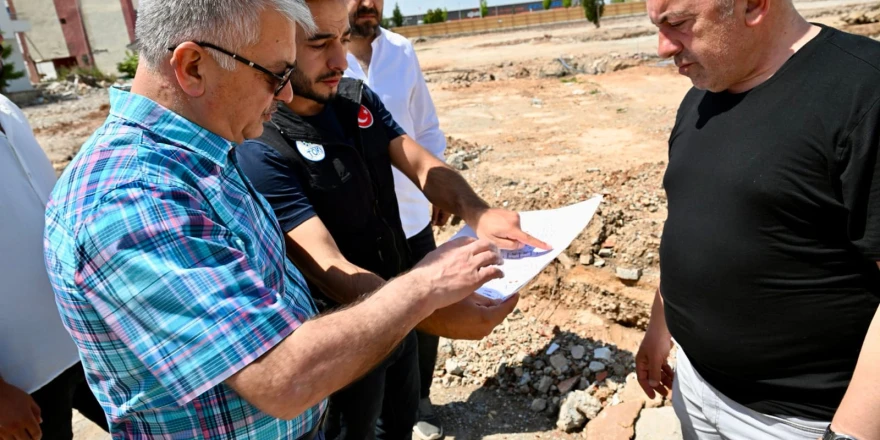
<point x="557" y="227"/>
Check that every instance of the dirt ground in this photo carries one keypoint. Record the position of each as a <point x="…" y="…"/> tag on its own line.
<point x="533" y="128"/>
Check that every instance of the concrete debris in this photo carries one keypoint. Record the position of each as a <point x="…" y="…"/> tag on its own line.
<point x="861" y="17"/>
<point x="565" y="260"/>
<point x="538" y="405"/>
<point x="560" y="67"/>
<point x="658" y="424"/>
<point x="633" y="392"/>
<point x="559" y="362"/>
<point x="570" y="418"/>
<point x="453" y="368"/>
<point x="74" y="86"/>
<point x="566" y="385"/>
<point x="629" y="273"/>
<point x="603" y="354"/>
<point x="577" y="408"/>
<point x="614" y="422"/>
<point x="586" y="259"/>
<point x="596" y="366"/>
<point x="544" y="384"/>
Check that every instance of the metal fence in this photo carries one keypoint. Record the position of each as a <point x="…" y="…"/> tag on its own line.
<point x="492" y="23"/>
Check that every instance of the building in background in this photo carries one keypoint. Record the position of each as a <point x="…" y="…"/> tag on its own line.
<point x="504" y="9"/>
<point x="12" y="32"/>
<point x="75" y="33"/>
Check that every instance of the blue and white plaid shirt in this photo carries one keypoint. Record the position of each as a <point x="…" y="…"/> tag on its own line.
<point x="170" y="273"/>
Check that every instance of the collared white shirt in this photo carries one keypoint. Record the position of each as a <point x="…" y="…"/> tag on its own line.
<point x="34" y="346"/>
<point x="395" y="75"/>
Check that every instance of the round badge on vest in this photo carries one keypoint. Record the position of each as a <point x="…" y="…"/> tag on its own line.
<point x="365" y="118"/>
<point x="312" y="152"/>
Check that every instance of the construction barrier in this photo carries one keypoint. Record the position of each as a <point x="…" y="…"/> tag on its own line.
<point x="499" y="22"/>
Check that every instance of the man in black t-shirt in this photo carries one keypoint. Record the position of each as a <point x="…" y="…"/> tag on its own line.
<point x="324" y="164"/>
<point x="769" y="276"/>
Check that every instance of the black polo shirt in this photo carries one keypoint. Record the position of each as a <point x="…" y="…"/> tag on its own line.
<point x="768" y="254"/>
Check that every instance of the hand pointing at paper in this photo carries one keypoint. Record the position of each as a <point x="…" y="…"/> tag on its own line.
<point x="502" y="227"/>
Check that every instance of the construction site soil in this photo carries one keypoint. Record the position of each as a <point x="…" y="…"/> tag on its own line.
<point x="538" y="119"/>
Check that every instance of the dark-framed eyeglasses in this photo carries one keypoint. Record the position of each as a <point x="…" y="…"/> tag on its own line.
<point x="282" y="79"/>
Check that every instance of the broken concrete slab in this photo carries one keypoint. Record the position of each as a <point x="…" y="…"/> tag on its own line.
<point x="658" y="424"/>
<point x="615" y="422"/>
<point x="633" y="392"/>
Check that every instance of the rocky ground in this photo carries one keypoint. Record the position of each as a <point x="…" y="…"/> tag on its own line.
<point x="539" y="119"/>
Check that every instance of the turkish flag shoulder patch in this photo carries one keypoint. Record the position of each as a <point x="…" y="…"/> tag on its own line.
<point x="365" y="118"/>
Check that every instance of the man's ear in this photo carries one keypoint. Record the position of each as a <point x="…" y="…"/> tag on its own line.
<point x="188" y="63"/>
<point x="756" y="11"/>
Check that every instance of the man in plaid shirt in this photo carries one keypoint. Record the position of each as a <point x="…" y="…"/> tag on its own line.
<point x="169" y="269"/>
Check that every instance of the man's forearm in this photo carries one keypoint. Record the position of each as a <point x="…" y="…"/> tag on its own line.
<point x="345" y="283"/>
<point x="314" y="252"/>
<point x="446" y="188"/>
<point x="330" y="352"/>
<point x="859" y="413"/>
<point x="472" y="318"/>
<point x="658" y="315"/>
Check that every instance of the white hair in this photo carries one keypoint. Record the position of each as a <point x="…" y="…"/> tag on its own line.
<point x="230" y="24"/>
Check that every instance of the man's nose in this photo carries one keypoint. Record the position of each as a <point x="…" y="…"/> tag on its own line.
<point x="667" y="47"/>
<point x="286" y="94"/>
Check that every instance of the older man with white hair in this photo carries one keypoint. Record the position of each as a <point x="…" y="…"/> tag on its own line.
<point x="169" y="269"/>
<point x="769" y="278"/>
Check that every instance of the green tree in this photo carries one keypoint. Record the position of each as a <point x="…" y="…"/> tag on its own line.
<point x="435" y="16"/>
<point x="129" y="65"/>
<point x="9" y="73"/>
<point x="566" y="3"/>
<point x="547" y="4"/>
<point x="484" y="8"/>
<point x="593" y="10"/>
<point x="396" y="16"/>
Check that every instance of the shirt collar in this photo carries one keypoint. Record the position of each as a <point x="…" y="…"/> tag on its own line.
<point x="380" y="35"/>
<point x="178" y="130"/>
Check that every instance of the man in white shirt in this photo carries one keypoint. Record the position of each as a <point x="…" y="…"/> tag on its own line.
<point x="41" y="379"/>
<point x="387" y="63"/>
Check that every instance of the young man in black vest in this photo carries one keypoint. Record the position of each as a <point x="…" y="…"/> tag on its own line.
<point x="324" y="164"/>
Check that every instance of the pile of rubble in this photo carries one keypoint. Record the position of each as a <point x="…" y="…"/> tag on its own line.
<point x="563" y="374"/>
<point x="862" y="17"/>
<point x="555" y="68"/>
<point x="460" y="153"/>
<point x="623" y="237"/>
<point x="565" y="66"/>
<point x="74" y="85"/>
<point x="627" y="227"/>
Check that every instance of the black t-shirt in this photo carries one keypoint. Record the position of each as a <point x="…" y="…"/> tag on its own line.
<point x="273" y="176"/>
<point x="768" y="254"/>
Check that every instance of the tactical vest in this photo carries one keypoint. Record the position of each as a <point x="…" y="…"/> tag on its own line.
<point x="350" y="186"/>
